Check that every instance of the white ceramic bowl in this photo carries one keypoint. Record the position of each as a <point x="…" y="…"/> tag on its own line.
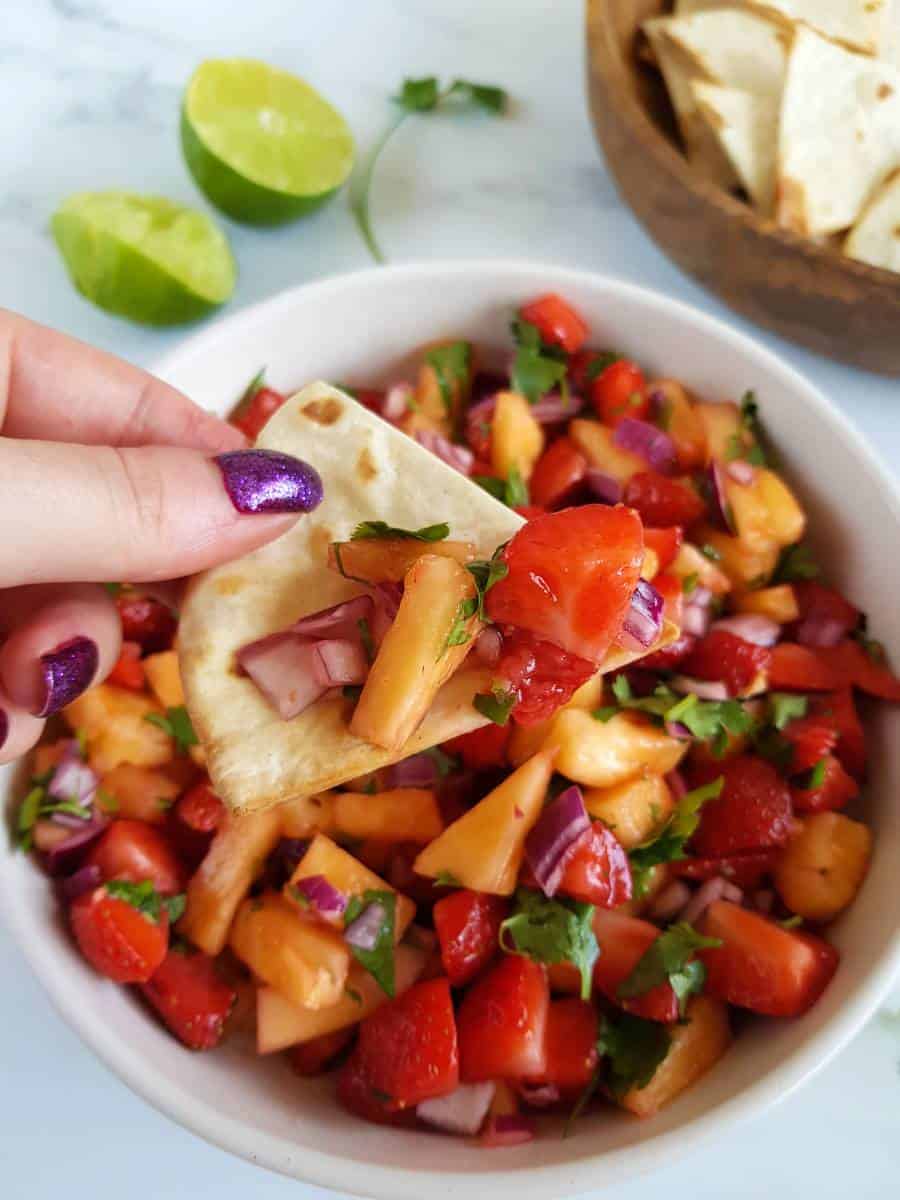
<point x="361" y="328"/>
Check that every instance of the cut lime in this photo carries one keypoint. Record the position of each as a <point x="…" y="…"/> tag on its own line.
<point x="262" y="145"/>
<point x="144" y="257"/>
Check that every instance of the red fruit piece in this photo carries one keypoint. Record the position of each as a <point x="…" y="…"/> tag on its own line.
<point x="840" y="708"/>
<point x="542" y="676"/>
<point x="264" y="402"/>
<point x="835" y="791"/>
<point x="355" y="1093"/>
<point x="811" y="738"/>
<point x="191" y="998"/>
<point x="665" y="542"/>
<point x="760" y="966"/>
<point x="502" y="1022"/>
<point x="571" y="1046"/>
<point x="752" y="812"/>
<point x="743" y="870"/>
<point x="316" y="1056"/>
<point x="794" y="668"/>
<point x="571" y="577"/>
<point x="725" y="657"/>
<point x="597" y="870"/>
<point x="468" y="929"/>
<point x="481" y="748"/>
<point x="135" y="851"/>
<point x="146" y="620"/>
<point x="823" y="612"/>
<point x="670" y="656"/>
<point x="129" y="670"/>
<point x="200" y="809"/>
<point x="623" y="942"/>
<point x="557" y="474"/>
<point x="556" y="321"/>
<point x="663" y="501"/>
<point x="853" y="665"/>
<point x="620" y="390"/>
<point x="117" y="939"/>
<point x="407" y="1048"/>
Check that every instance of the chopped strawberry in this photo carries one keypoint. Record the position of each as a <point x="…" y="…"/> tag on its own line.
<point x="557" y="474"/>
<point x="665" y="542"/>
<point x="571" y="1046"/>
<point x="743" y="870"/>
<point x="824" y="614"/>
<point x="761" y="966"/>
<point x="556" y="321"/>
<point x="200" y="809"/>
<point x="117" y="939"/>
<point x="811" y="738"/>
<point x="852" y="664"/>
<point x="727" y="658"/>
<point x="663" y="501"/>
<point x="482" y="748"/>
<point x="571" y="577"/>
<point x="502" y="1022"/>
<point x="261" y="405"/>
<point x="623" y="942"/>
<point x="752" y="812"/>
<point x="835" y="791"/>
<point x="670" y="656"/>
<point x="317" y="1055"/>
<point x="620" y="390"/>
<point x="598" y="870"/>
<point x="146" y="620"/>
<point x="129" y="670"/>
<point x="542" y="676"/>
<point x="357" y="1095"/>
<point x="795" y="668"/>
<point x="529" y="511"/>
<point x="135" y="851"/>
<point x="468" y="928"/>
<point x="190" y="997"/>
<point x="840" y="708"/>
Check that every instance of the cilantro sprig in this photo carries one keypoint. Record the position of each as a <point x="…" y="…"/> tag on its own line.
<point x="376" y="530"/>
<point x="452" y="364"/>
<point x="630" y="1049"/>
<point x="668" y="845"/>
<point x="146" y="899"/>
<point x="552" y="931"/>
<point x="670" y="959"/>
<point x="796" y="564"/>
<point x="486" y="572"/>
<point x="537" y="368"/>
<point x="417" y="97"/>
<point x="379" y="961"/>
<point x="511" y="491"/>
<point x="176" y="722"/>
<point x="497" y="704"/>
<point x="707" y="720"/>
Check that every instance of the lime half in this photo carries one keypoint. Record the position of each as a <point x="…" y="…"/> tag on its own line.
<point x="144" y="257"/>
<point x="262" y="145"/>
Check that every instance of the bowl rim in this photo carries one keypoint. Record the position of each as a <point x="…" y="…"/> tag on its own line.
<point x="328" y="1170"/>
<point x="603" y="55"/>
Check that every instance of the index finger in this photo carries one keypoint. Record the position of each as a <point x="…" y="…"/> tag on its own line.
<point x="55" y="388"/>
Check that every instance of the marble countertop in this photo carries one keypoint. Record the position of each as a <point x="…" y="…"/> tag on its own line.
<point x="89" y="94"/>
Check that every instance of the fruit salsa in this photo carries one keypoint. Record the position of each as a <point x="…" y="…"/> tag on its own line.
<point x="561" y="908"/>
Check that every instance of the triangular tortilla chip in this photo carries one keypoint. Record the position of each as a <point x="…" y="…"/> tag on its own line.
<point x="747" y="128"/>
<point x="732" y="47"/>
<point x="875" y="239"/>
<point x="839" y="135"/>
<point x="861" y="25"/>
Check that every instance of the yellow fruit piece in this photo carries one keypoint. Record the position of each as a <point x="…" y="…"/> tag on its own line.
<point x="633" y="810"/>
<point x="681" y="422"/>
<point x="650" y="565"/>
<point x="787" y="520"/>
<point x="307" y="815"/>
<point x="400" y="815"/>
<point x="778" y="603"/>
<point x="745" y="566"/>
<point x="164" y="677"/>
<point x="697" y="1045"/>
<point x="114" y="723"/>
<point x="691" y="563"/>
<point x="823" y="865"/>
<point x="298" y="956"/>
<point x="483" y="849"/>
<point x="414" y="658"/>
<point x="722" y="424"/>
<point x="220" y="883"/>
<point x="348" y="875"/>
<point x="600" y="754"/>
<point x="387" y="560"/>
<point x="139" y="793"/>
<point x="595" y="441"/>
<point x="516" y="437"/>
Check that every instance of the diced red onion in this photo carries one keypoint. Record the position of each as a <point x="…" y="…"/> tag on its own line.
<point x="554" y="407"/>
<point x="678" y="730"/>
<point x="552" y="840"/>
<point x="460" y="458"/>
<point x="418" y="771"/>
<point x="64" y="855"/>
<point x="649" y="441"/>
<point x="701" y="596"/>
<point x="670" y="901"/>
<point x="338" y="621"/>
<point x="85" y="879"/>
<point x="386" y="597"/>
<point x="363" y="932"/>
<point x="719" y="508"/>
<point x="488" y="646"/>
<point x="676" y="785"/>
<point x="283" y="667"/>
<point x="741" y="472"/>
<point x="603" y="487"/>
<point x="751" y="627"/>
<point x="763" y="900"/>
<point x="323" y="896"/>
<point x="510" y="1129"/>
<point x="73" y="780"/>
<point x="703" y="689"/>
<point x="341" y="663"/>
<point x="695" y="619"/>
<point x="461" y="1111"/>
<point x="658" y="402"/>
<point x="707" y="894"/>
<point x="643" y="621"/>
<point x="820" y="631"/>
<point x="396" y="401"/>
<point x="539" y="1095"/>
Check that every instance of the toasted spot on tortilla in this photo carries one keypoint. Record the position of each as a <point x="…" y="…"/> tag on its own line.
<point x="791" y="205"/>
<point x="884" y="90"/>
<point x="323" y="412"/>
<point x="897" y="232"/>
<point x="320" y="538"/>
<point x="365" y="465"/>
<point x="230" y="585"/>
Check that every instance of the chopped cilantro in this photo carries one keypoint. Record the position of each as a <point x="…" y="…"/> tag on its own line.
<point x="512" y="491"/>
<point x="816" y="777"/>
<point x="418" y="95"/>
<point x="446" y="879"/>
<point x="351" y="691"/>
<point x="668" y="845"/>
<point x="379" y="961"/>
<point x="175" y="906"/>
<point x="707" y="720"/>
<point x="452" y="364"/>
<point x="29" y="810"/>
<point x="487" y="572"/>
<point x="459" y="631"/>
<point x="600" y="362"/>
<point x="770" y="745"/>
<point x="606" y="713"/>
<point x="796" y="563"/>
<point x="298" y="895"/>
<point x="552" y="931"/>
<point x="709" y="551"/>
<point x="365" y="636"/>
<point x="669" y="959"/>
<point x="145" y="898"/>
<point x="369" y="530"/>
<point x="106" y="801"/>
<point x="258" y="381"/>
<point x="114" y="589"/>
<point x="689" y="583"/>
<point x="784" y="707"/>
<point x="177" y="724"/>
<point x="537" y="368"/>
<point x="634" y="1048"/>
<point x="496" y="705"/>
<point x="791" y="922"/>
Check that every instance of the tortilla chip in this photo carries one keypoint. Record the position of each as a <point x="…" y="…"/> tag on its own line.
<point x="746" y="126"/>
<point x="732" y="47"/>
<point x="862" y="25"/>
<point x="839" y="136"/>
<point x="875" y="239"/>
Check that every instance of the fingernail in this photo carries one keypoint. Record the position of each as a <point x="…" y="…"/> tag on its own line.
<point x="4" y="728"/>
<point x="265" y="481"/>
<point x="68" y="671"/>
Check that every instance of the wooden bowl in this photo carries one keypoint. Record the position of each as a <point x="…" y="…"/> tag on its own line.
<point x="806" y="292"/>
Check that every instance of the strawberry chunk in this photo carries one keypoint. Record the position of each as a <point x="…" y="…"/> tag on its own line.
<point x="725" y="657"/>
<point x="620" y="390"/>
<point x="316" y="1056"/>
<point x="795" y="668"/>
<point x="811" y="738"/>
<point x="146" y="620"/>
<point x="752" y="812"/>
<point x="671" y="656"/>
<point x="665" y="542"/>
<point x="191" y="998"/>
<point x="663" y="501"/>
<point x="571" y="1046"/>
<point x="129" y="670"/>
<point x="825" y="615"/>
<point x="557" y="474"/>
<point x="542" y="676"/>
<point x="502" y="1022"/>
<point x="263" y="403"/>
<point x="852" y="664"/>
<point x="840" y="708"/>
<point x="556" y="321"/>
<point x="743" y="870"/>
<point x="482" y="748"/>
<point x="623" y="942"/>
<point x="835" y="791"/>
<point x="116" y="938"/>
<point x="468" y="928"/>
<point x="598" y="871"/>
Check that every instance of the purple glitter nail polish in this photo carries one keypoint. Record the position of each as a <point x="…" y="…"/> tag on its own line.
<point x="68" y="671"/>
<point x="4" y="728"/>
<point x="265" y="481"/>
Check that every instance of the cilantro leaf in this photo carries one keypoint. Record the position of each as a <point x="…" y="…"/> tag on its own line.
<point x="552" y="931"/>
<point x="496" y="705"/>
<point x="379" y="961"/>
<point x="668" y="845"/>
<point x="177" y="724"/>
<point x="486" y="572"/>
<point x="784" y="707"/>
<point x="600" y="362"/>
<point x="258" y="381"/>
<point x="707" y="720"/>
<point x="791" y="922"/>
<point x="459" y="632"/>
<point x="512" y="491"/>
<point x="634" y="1048"/>
<point x="815" y="777"/>
<point x="29" y="811"/>
<point x="689" y="583"/>
<point x="418" y="95"/>
<point x="114" y="589"/>
<point x="669" y="959"/>
<point x="142" y="896"/>
<point x="796" y="563"/>
<point x="536" y="368"/>
<point x="452" y="364"/>
<point x="371" y="530"/>
<point x="446" y="879"/>
<point x="482" y="95"/>
<point x="709" y="551"/>
<point x="175" y="906"/>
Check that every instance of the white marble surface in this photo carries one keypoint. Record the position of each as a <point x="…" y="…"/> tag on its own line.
<point x="89" y="94"/>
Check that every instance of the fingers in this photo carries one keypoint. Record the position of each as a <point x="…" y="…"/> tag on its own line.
<point x="90" y="512"/>
<point x="19" y="730"/>
<point x="61" y="641"/>
<point x="55" y="388"/>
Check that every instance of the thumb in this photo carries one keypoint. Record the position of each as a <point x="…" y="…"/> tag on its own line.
<point x="156" y="512"/>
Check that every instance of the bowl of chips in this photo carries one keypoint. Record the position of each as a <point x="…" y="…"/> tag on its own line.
<point x="759" y="143"/>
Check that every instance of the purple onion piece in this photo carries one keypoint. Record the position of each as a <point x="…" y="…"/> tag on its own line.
<point x="707" y="894"/>
<point x="678" y="730"/>
<point x="703" y="689"/>
<point x="338" y="621"/>
<point x="550" y="842"/>
<point x="741" y="472"/>
<point x="643" y="621"/>
<point x="553" y="408"/>
<point x="85" y="879"/>
<point x="460" y="458"/>
<point x="461" y="1111"/>
<point x="66" y="856"/>
<point x="73" y="780"/>
<point x="418" y="771"/>
<point x="323" y="896"/>
<point x="751" y="627"/>
<point x="717" y="498"/>
<point x="820" y="631"/>
<point x="648" y="441"/>
<point x="695" y="620"/>
<point x="539" y="1095"/>
<point x="676" y="785"/>
<point x="603" y="487"/>
<point x="670" y="901"/>
<point x="363" y="932"/>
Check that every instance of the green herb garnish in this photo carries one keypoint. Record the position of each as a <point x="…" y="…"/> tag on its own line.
<point x="496" y="705"/>
<point x="634" y="1048"/>
<point x="512" y="491"/>
<point x="371" y="530"/>
<point x="785" y="707"/>
<point x="668" y="845"/>
<point x="146" y="899"/>
<point x="446" y="879"/>
<point x="452" y="364"/>
<point x="796" y="563"/>
<point x="379" y="961"/>
<point x="552" y="931"/>
<point x="177" y="724"/>
<point x="669" y="959"/>
<point x="459" y="631"/>
<point x="537" y="368"/>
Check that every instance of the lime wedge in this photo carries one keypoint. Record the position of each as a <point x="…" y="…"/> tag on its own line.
<point x="262" y="145"/>
<point x="143" y="257"/>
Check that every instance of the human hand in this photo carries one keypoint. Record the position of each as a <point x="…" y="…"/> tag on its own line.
<point x="108" y="474"/>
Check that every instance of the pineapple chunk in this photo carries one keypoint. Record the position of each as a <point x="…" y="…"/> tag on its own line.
<point x="633" y="810"/>
<point x="387" y="560"/>
<point x="650" y="565"/>
<point x="114" y="722"/>
<point x="823" y="865"/>
<point x="787" y="520"/>
<point x="516" y="437"/>
<point x="140" y="793"/>
<point x="595" y="442"/>
<point x="690" y="562"/>
<point x="414" y="659"/>
<point x="682" y="423"/>
<point x="299" y="956"/>
<point x="745" y="566"/>
<point x="765" y="511"/>
<point x="220" y="883"/>
<point x="164" y="677"/>
<point x="722" y="424"/>
<point x="349" y="876"/>
<point x="400" y="815"/>
<point x="778" y="603"/>
<point x="483" y="849"/>
<point x="437" y="408"/>
<point x="307" y="815"/>
<point x="600" y="754"/>
<point x="280" y="1024"/>
<point x="697" y="1045"/>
